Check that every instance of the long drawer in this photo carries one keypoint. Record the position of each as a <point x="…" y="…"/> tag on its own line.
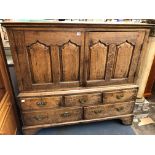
<point x="52" y="116"/>
<point x="40" y="103"/>
<point x="101" y="111"/>
<point x="119" y="96"/>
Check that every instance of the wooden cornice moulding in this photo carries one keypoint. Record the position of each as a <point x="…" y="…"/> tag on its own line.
<point x="73" y="24"/>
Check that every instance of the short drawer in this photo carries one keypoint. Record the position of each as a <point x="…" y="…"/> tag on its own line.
<point x="52" y="116"/>
<point x="40" y="103"/>
<point x="120" y="96"/>
<point x="83" y="100"/>
<point x="108" y="110"/>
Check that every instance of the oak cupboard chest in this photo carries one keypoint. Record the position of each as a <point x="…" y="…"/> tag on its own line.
<point x="72" y="73"/>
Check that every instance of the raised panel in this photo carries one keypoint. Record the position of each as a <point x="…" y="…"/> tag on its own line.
<point x="40" y="63"/>
<point x="123" y="60"/>
<point x="70" y="66"/>
<point x="98" y="54"/>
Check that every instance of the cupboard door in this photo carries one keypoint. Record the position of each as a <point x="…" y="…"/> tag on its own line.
<point x="48" y="59"/>
<point x="112" y="57"/>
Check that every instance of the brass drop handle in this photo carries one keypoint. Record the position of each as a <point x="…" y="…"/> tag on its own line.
<point x="119" y="96"/>
<point x="41" y="104"/>
<point x="82" y="100"/>
<point x="98" y="111"/>
<point x="40" y="117"/>
<point x="65" y="114"/>
<point x="120" y="109"/>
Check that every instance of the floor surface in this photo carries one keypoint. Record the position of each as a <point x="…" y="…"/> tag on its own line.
<point x="147" y="129"/>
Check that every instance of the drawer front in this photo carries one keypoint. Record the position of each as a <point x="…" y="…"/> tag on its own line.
<point x="108" y="110"/>
<point x="52" y="116"/>
<point x="83" y="100"/>
<point x="120" y="96"/>
<point x="40" y="103"/>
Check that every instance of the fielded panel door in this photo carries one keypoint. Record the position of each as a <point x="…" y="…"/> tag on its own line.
<point x="49" y="59"/>
<point x="112" y="57"/>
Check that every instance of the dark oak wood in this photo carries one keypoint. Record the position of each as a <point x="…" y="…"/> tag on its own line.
<point x="71" y="73"/>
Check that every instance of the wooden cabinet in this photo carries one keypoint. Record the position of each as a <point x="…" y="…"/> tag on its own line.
<point x="76" y="73"/>
<point x="8" y="117"/>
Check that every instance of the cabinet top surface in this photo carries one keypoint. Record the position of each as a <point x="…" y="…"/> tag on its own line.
<point x="77" y="24"/>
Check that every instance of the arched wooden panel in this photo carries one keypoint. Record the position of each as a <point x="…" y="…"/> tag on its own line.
<point x="40" y="62"/>
<point x="70" y="65"/>
<point x="124" y="54"/>
<point x="98" y="54"/>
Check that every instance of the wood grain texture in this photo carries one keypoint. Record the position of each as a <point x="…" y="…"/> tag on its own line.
<point x="5" y="104"/>
<point x="70" y="62"/>
<point x="119" y="96"/>
<point x="110" y="62"/>
<point x="40" y="63"/>
<point x="40" y="103"/>
<point x="83" y="100"/>
<point x="52" y="62"/>
<point x="98" y="54"/>
<point x="136" y="56"/>
<point x="20" y="57"/>
<point x="123" y="48"/>
<point x="150" y="82"/>
<point x="9" y="127"/>
<point x="52" y="116"/>
<point x="33" y="129"/>
<point x="55" y="58"/>
<point x="108" y="110"/>
<point x="123" y="60"/>
<point x="78" y="90"/>
<point x="88" y="68"/>
<point x="8" y="115"/>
